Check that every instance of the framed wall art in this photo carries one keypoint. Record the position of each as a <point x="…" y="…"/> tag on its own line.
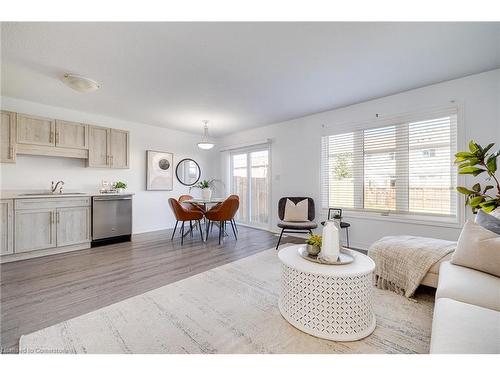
<point x="160" y="174"/>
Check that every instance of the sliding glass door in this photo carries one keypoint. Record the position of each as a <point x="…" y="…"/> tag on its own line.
<point x="250" y="180"/>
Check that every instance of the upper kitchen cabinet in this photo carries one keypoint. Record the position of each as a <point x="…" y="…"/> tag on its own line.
<point x="71" y="135"/>
<point x="98" y="147"/>
<point x="49" y="137"/>
<point x="108" y="148"/>
<point x="119" y="148"/>
<point x="34" y="130"/>
<point x="8" y="137"/>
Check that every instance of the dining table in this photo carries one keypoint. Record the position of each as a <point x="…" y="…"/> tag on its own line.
<point x="206" y="203"/>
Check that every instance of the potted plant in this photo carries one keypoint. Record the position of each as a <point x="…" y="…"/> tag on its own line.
<point x="120" y="186"/>
<point x="314" y="244"/>
<point x="206" y="188"/>
<point x="475" y="162"/>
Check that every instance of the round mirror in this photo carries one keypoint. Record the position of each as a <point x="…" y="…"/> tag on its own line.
<point x="188" y="172"/>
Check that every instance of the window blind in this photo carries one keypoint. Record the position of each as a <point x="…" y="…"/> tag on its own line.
<point x="406" y="167"/>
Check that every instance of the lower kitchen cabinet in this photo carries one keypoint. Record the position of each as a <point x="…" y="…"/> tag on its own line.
<point x="6" y="227"/>
<point x="51" y="223"/>
<point x="73" y="225"/>
<point x="35" y="229"/>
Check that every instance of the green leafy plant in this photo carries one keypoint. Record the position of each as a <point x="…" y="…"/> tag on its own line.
<point x="205" y="184"/>
<point x="314" y="240"/>
<point x="476" y="161"/>
<point x="120" y="185"/>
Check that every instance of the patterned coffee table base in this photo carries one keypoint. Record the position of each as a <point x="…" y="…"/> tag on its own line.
<point x="333" y="308"/>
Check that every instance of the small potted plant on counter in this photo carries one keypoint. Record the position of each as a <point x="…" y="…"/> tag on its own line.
<point x="313" y="244"/>
<point x="120" y="186"/>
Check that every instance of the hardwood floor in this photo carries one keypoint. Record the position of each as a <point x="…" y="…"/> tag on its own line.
<point x="38" y="293"/>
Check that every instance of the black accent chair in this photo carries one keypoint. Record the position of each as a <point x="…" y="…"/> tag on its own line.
<point x="337" y="213"/>
<point x="296" y="226"/>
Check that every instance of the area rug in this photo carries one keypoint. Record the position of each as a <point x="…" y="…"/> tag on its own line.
<point x="229" y="309"/>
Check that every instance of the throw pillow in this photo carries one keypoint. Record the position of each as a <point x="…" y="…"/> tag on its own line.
<point x="296" y="212"/>
<point x="488" y="221"/>
<point x="478" y="248"/>
<point x="496" y="212"/>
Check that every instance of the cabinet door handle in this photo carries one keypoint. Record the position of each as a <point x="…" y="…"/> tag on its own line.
<point x="51" y="217"/>
<point x="51" y="136"/>
<point x="11" y="152"/>
<point x="57" y="137"/>
<point x="58" y="217"/>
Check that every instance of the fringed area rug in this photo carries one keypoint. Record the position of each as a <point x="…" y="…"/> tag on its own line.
<point x="229" y="309"/>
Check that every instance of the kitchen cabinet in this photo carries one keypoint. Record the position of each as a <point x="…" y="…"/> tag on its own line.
<point x="51" y="223"/>
<point x="8" y="137"/>
<point x="71" y="135"/>
<point x="49" y="137"/>
<point x="108" y="148"/>
<point x="73" y="225"/>
<point x="35" y="229"/>
<point x="98" y="147"/>
<point x="6" y="227"/>
<point x="34" y="130"/>
<point x="119" y="148"/>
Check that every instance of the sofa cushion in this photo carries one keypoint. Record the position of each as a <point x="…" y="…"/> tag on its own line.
<point x="478" y="248"/>
<point x="461" y="328"/>
<point x="469" y="286"/>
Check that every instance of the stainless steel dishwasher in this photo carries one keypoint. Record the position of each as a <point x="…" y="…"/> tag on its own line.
<point x="111" y="219"/>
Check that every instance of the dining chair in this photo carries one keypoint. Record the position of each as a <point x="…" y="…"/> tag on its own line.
<point x="296" y="216"/>
<point x="183" y="213"/>
<point x="222" y="213"/>
<point x="234" y="221"/>
<point x="185" y="197"/>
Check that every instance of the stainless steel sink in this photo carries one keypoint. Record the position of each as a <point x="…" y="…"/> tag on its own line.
<point x="49" y="194"/>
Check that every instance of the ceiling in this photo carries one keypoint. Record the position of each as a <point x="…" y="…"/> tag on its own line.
<point x="237" y="75"/>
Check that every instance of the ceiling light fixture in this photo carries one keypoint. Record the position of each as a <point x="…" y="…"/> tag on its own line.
<point x="80" y="83"/>
<point x="205" y="143"/>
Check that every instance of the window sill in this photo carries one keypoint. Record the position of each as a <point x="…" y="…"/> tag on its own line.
<point x="406" y="219"/>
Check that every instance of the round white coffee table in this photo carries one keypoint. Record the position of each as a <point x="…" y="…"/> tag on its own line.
<point x="333" y="302"/>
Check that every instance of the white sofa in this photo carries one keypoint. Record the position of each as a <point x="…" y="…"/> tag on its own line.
<point x="466" y="312"/>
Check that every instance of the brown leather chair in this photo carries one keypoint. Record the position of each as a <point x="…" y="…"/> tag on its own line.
<point x="222" y="213"/>
<point x="186" y="197"/>
<point x="183" y="213"/>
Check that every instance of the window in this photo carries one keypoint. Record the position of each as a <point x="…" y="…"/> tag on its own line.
<point x="404" y="168"/>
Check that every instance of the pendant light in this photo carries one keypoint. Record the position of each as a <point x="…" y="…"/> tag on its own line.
<point x="205" y="143"/>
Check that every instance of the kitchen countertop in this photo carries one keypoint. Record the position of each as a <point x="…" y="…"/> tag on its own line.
<point x="19" y="194"/>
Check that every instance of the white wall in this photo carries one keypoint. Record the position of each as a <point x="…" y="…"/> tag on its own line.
<point x="295" y="159"/>
<point x="150" y="208"/>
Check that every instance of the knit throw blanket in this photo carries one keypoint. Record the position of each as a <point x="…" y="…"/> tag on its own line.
<point x="401" y="262"/>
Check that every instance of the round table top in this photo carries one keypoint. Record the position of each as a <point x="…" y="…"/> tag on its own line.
<point x="362" y="264"/>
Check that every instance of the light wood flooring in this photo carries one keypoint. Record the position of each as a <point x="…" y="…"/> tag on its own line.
<point x="38" y="293"/>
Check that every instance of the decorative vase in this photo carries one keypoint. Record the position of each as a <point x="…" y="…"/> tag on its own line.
<point x="313" y="249"/>
<point x="206" y="194"/>
<point x="119" y="190"/>
<point x="330" y="247"/>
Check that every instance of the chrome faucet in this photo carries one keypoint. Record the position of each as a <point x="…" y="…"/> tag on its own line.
<point x="53" y="187"/>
